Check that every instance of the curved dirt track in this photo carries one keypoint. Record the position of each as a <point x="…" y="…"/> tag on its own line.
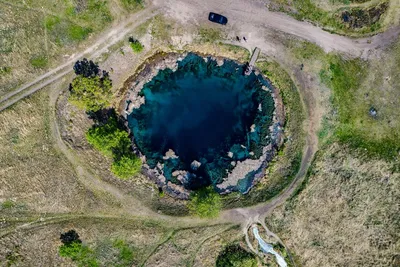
<point x="245" y="17"/>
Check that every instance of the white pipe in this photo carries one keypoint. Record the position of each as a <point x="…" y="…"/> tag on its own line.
<point x="267" y="248"/>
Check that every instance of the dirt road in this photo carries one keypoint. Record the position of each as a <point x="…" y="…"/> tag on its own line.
<point x="248" y="17"/>
<point x="245" y="17"/>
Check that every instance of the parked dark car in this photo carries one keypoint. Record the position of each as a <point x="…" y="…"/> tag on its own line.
<point x="217" y="18"/>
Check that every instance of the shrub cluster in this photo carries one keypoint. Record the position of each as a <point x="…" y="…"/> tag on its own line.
<point x="235" y="256"/>
<point x="73" y="248"/>
<point x="91" y="89"/>
<point x="136" y="46"/>
<point x="205" y="203"/>
<point x="112" y="140"/>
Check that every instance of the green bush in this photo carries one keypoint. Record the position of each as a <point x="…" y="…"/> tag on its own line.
<point x="80" y="253"/>
<point x="91" y="93"/>
<point x="235" y="256"/>
<point x="109" y="139"/>
<point x="112" y="140"/>
<point x="136" y="46"/>
<point x="125" y="257"/>
<point x="39" y="61"/>
<point x="78" y="33"/>
<point x="126" y="166"/>
<point x="205" y="203"/>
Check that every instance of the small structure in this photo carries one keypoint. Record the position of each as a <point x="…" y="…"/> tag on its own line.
<point x="373" y="112"/>
<point x="249" y="67"/>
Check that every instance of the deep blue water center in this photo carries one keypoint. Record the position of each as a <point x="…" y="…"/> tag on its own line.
<point x="202" y="112"/>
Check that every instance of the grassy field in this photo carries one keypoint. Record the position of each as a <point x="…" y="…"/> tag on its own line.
<point x="119" y="242"/>
<point x="349" y="199"/>
<point x="349" y="202"/>
<point x="35" y="176"/>
<point x="357" y="87"/>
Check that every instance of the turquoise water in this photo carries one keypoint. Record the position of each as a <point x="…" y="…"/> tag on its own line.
<point x="202" y="111"/>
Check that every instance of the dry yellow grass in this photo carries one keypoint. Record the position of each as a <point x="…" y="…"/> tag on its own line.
<point x="348" y="214"/>
<point x="151" y="243"/>
<point x="32" y="172"/>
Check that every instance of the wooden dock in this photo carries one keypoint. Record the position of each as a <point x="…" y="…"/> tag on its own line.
<point x="253" y="60"/>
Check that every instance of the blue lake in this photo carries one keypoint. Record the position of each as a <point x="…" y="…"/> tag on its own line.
<point x="202" y="112"/>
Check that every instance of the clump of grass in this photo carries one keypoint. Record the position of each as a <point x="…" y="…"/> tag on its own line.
<point x="136" y="46"/>
<point x="5" y="70"/>
<point x="51" y="22"/>
<point x="125" y="255"/>
<point x="39" y="62"/>
<point x="308" y="10"/>
<point x="132" y="5"/>
<point x="8" y="204"/>
<point x="209" y="35"/>
<point x="307" y="50"/>
<point x="78" y="33"/>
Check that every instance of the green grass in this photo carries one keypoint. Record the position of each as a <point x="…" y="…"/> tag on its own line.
<point x="51" y="21"/>
<point x="209" y="35"/>
<point x="8" y="204"/>
<point x="39" y="62"/>
<point x="136" y="46"/>
<point x="355" y="127"/>
<point x="305" y="50"/>
<point x="125" y="253"/>
<point x="5" y="70"/>
<point x="75" y="23"/>
<point x="78" y="33"/>
<point x="205" y="203"/>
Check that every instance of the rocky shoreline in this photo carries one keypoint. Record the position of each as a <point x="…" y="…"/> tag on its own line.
<point x="255" y="167"/>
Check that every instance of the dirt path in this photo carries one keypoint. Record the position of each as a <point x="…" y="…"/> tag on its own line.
<point x="245" y="17"/>
<point x="117" y="33"/>
<point x="248" y="17"/>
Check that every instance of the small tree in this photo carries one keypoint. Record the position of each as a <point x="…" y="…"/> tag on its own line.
<point x="74" y="249"/>
<point x="205" y="203"/>
<point x="126" y="166"/>
<point x="235" y="256"/>
<point x="109" y="138"/>
<point x="91" y="93"/>
<point x="136" y="46"/>
<point x="70" y="237"/>
<point x="86" y="68"/>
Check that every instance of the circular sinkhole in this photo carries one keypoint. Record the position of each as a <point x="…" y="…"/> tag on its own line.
<point x="200" y="121"/>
